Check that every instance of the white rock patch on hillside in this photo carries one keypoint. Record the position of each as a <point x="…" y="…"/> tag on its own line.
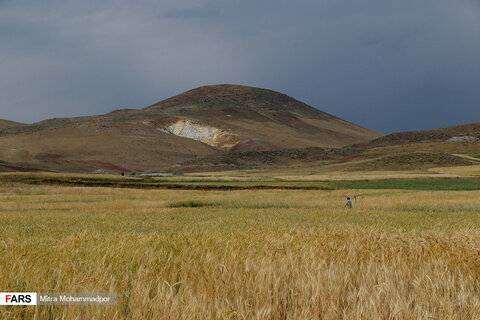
<point x="212" y="136"/>
<point x="463" y="139"/>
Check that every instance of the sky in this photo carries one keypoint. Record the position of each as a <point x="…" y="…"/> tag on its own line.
<point x="386" y="65"/>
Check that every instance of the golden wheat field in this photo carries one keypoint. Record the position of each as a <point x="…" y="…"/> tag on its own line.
<point x="254" y="254"/>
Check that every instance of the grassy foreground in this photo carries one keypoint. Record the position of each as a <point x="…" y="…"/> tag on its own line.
<point x="251" y="254"/>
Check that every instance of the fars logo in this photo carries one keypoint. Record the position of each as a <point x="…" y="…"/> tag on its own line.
<point x="18" y="298"/>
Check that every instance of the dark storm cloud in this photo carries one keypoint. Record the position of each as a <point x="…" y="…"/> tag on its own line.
<point x="387" y="65"/>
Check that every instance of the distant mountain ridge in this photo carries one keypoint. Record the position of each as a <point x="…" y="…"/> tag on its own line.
<point x="205" y="121"/>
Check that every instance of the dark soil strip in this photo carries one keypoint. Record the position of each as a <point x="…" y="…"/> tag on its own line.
<point x="150" y="186"/>
<point x="19" y="169"/>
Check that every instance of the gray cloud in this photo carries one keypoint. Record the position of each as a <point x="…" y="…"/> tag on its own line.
<point x="386" y="65"/>
<point x="206" y="10"/>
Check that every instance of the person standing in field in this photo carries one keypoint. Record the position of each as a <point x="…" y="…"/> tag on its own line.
<point x="348" y="204"/>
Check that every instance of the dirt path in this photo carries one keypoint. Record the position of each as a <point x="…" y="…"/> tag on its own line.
<point x="467" y="157"/>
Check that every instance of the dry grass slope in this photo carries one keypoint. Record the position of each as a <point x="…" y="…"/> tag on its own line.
<point x="5" y="124"/>
<point x="243" y="255"/>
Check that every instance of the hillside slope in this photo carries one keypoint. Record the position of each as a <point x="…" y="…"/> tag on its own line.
<point x="206" y="121"/>
<point x="5" y="124"/>
<point x="471" y="130"/>
<point x="408" y="151"/>
<point x="417" y="150"/>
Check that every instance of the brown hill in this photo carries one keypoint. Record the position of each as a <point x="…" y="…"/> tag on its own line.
<point x="434" y="135"/>
<point x="261" y="119"/>
<point x="416" y="150"/>
<point x="207" y="121"/>
<point x="5" y="124"/>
